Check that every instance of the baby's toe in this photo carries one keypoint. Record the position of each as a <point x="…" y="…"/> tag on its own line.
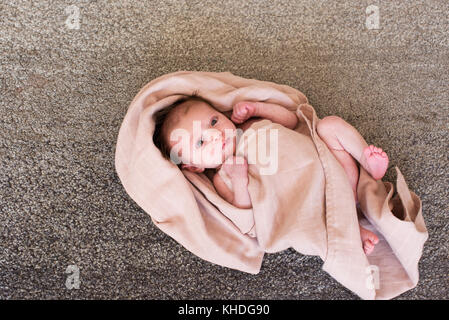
<point x="374" y="239"/>
<point x="368" y="247"/>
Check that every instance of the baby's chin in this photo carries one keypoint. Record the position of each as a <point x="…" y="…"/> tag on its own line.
<point x="225" y="155"/>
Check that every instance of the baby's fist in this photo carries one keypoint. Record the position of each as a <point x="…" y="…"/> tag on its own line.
<point x="243" y="110"/>
<point x="236" y="167"/>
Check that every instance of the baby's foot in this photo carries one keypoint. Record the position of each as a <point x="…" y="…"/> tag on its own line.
<point x="369" y="240"/>
<point x="375" y="161"/>
<point x="243" y="110"/>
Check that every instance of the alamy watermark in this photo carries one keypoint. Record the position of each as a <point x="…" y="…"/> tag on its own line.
<point x="373" y="279"/>
<point x="372" y="20"/>
<point x="73" y="279"/>
<point x="73" y="19"/>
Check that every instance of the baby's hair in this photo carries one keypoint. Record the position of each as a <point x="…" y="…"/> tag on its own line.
<point x="161" y="116"/>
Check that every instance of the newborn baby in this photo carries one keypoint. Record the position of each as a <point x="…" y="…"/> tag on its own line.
<point x="212" y="138"/>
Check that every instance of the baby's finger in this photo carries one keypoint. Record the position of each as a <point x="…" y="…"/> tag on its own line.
<point x="236" y="119"/>
<point x="229" y="161"/>
<point x="240" y="160"/>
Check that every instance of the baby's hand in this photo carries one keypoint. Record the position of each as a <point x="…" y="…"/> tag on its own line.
<point x="236" y="167"/>
<point x="243" y="110"/>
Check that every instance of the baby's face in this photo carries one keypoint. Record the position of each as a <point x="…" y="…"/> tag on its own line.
<point x="210" y="136"/>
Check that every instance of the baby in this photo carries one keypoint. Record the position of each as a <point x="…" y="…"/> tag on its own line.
<point x="213" y="141"/>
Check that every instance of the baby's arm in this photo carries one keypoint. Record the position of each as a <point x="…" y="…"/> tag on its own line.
<point x="239" y="196"/>
<point x="246" y="109"/>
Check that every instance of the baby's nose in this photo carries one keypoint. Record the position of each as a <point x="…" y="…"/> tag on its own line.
<point x="219" y="136"/>
<point x="216" y="135"/>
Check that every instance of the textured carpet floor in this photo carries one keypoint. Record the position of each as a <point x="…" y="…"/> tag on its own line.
<point x="64" y="93"/>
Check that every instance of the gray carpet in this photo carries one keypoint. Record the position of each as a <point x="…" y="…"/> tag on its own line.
<point x="64" y="93"/>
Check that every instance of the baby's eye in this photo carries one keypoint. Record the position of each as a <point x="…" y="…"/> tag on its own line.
<point x="214" y="121"/>
<point x="199" y="143"/>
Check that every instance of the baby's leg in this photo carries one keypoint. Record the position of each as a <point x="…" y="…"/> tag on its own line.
<point x="340" y="135"/>
<point x="347" y="145"/>
<point x="327" y="133"/>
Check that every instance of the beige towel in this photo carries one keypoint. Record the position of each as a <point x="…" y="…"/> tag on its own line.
<point x="307" y="205"/>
